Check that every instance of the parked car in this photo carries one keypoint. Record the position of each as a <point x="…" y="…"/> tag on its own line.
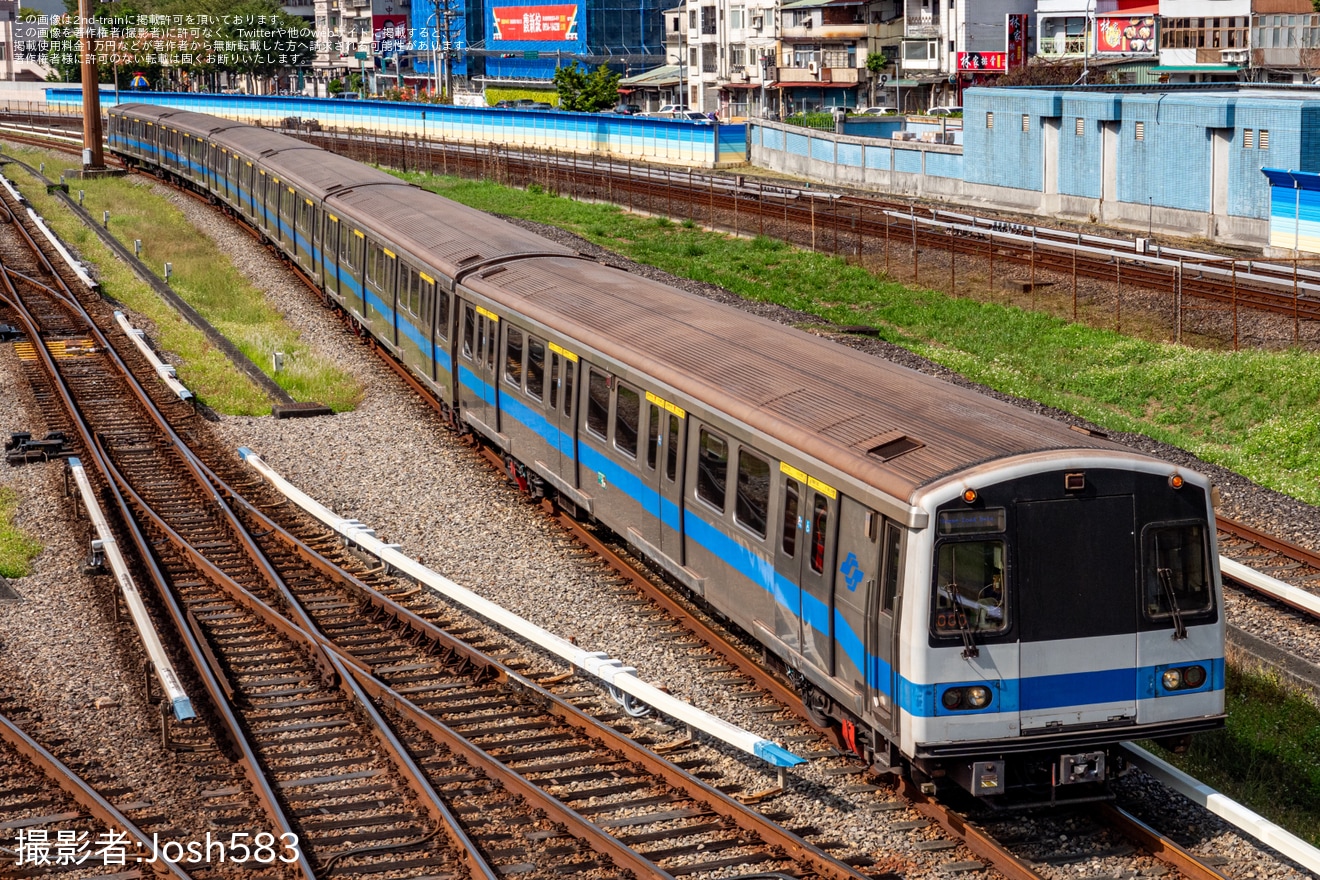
<point x="539" y="105"/>
<point x="945" y="111"/>
<point x="875" y="111"/>
<point x="627" y="109"/>
<point x="348" y="96"/>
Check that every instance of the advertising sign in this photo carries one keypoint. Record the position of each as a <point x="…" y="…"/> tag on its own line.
<point x="536" y="23"/>
<point x="983" y="62"/>
<point x="1126" y="36"/>
<point x="1016" y="43"/>
<point x="389" y="34"/>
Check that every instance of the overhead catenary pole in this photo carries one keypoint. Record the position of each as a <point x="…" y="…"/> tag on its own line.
<point x="93" y="154"/>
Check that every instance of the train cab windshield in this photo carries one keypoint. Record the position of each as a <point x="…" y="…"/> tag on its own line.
<point x="1176" y="575"/>
<point x="970" y="595"/>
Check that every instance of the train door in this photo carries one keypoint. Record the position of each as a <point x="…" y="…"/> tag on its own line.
<point x="378" y="304"/>
<point x="330" y="256"/>
<point x="1076" y="611"/>
<point x="559" y="404"/>
<point x="804" y="566"/>
<point x="673" y="439"/>
<point x="302" y="232"/>
<point x="881" y="644"/>
<point x="476" y="367"/>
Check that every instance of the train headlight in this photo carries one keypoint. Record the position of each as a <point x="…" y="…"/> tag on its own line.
<point x="966" y="699"/>
<point x="1183" y="678"/>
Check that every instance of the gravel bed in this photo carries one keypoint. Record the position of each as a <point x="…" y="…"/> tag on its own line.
<point x="390" y="464"/>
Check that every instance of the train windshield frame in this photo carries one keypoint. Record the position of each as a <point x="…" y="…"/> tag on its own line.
<point x="1176" y="575"/>
<point x="970" y="593"/>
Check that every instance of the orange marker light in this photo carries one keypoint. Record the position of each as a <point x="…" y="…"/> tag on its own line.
<point x="969" y="495"/>
<point x="1176" y="481"/>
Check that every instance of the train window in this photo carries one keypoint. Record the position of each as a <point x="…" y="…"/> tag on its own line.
<point x="348" y="253"/>
<point x="442" y="306"/>
<point x="889" y="584"/>
<point x="304" y="221"/>
<point x="627" y="416"/>
<point x="1176" y="571"/>
<point x="375" y="267"/>
<point x="535" y="367"/>
<point x="490" y="330"/>
<point x="671" y="458"/>
<point x="410" y="298"/>
<point x="652" y="435"/>
<point x="331" y="237"/>
<point x="554" y="380"/>
<point x="598" y="403"/>
<point x="568" y="388"/>
<point x="753" y="501"/>
<point x="513" y="354"/>
<point x="789" y="539"/>
<point x="712" y="469"/>
<point x="469" y="331"/>
<point x="969" y="590"/>
<point x="820" y="525"/>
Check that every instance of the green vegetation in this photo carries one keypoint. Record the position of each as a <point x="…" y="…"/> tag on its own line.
<point x="1256" y="412"/>
<point x="1268" y="755"/>
<point x="495" y="95"/>
<point x="587" y="91"/>
<point x="204" y="277"/>
<point x="17" y="550"/>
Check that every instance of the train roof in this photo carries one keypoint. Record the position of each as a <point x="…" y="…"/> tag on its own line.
<point x="448" y="235"/>
<point x="874" y="420"/>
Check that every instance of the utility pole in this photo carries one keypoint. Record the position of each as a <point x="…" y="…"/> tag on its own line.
<point x="93" y="154"/>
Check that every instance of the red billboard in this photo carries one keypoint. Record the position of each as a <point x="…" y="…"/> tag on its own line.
<point x="528" y="23"/>
<point x="1126" y="36"/>
<point x="1016" y="43"/>
<point x="389" y="34"/>
<point x="983" y="62"/>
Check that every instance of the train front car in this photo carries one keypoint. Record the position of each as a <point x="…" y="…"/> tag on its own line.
<point x="1061" y="603"/>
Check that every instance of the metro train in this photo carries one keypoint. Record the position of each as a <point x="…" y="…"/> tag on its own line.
<point x="968" y="592"/>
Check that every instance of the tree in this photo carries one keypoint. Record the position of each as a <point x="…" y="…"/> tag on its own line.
<point x="588" y="92"/>
<point x="876" y="62"/>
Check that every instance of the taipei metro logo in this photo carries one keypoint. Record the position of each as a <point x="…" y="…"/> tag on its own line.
<point x="852" y="572"/>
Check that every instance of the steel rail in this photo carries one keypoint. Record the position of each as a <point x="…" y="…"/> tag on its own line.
<point x="335" y="673"/>
<point x="410" y="621"/>
<point x="185" y="625"/>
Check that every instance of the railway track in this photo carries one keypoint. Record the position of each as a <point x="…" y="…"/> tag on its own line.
<point x="343" y="622"/>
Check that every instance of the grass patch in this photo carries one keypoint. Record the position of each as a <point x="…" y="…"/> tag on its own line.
<point x="17" y="550"/>
<point x="205" y="278"/>
<point x="1255" y="412"/>
<point x="1268" y="754"/>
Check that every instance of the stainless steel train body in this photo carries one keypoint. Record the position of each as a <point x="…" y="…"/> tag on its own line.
<point x="964" y="588"/>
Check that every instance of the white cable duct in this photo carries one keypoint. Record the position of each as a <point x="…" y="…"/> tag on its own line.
<point x="1289" y="595"/>
<point x="599" y="664"/>
<point x="1257" y="826"/>
<point x="164" y="370"/>
<point x="180" y="704"/>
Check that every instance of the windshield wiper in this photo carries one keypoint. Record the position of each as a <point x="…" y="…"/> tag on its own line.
<point x="964" y="628"/>
<point x="1166" y="580"/>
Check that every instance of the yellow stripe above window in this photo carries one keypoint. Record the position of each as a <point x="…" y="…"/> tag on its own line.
<point x="488" y="314"/>
<point x="389" y="253"/>
<point x="427" y="278"/>
<point x="666" y="405"/>
<point x="563" y="352"/>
